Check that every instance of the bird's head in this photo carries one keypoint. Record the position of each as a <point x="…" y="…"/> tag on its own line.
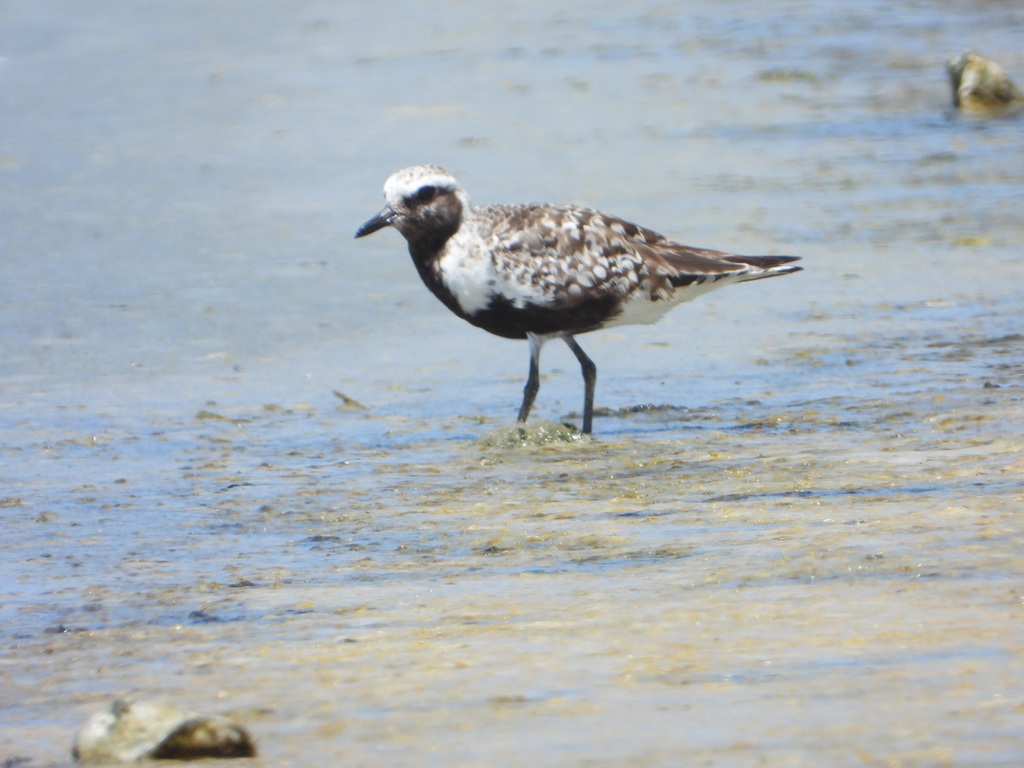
<point x="424" y="203"/>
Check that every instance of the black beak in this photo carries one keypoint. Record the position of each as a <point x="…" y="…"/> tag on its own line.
<point x="383" y="219"/>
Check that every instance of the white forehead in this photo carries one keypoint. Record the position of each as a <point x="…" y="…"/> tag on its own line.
<point x="403" y="183"/>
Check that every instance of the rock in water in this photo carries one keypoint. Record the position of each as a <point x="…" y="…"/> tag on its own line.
<point x="132" y="730"/>
<point x="981" y="87"/>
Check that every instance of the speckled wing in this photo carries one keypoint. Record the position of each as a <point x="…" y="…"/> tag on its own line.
<point x="563" y="255"/>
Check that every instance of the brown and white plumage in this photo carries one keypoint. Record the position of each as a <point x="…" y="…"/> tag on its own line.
<point x="542" y="271"/>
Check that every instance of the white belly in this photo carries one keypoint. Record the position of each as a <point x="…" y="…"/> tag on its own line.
<point x="641" y="310"/>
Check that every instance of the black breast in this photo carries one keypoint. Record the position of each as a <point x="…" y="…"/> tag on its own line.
<point x="577" y="313"/>
<point x="503" y="318"/>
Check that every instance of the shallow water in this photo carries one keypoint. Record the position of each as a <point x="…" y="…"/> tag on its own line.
<point x="795" y="538"/>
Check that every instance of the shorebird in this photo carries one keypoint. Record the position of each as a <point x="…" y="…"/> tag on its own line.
<point x="542" y="271"/>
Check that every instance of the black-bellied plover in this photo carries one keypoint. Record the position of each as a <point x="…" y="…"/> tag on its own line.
<point x="542" y="271"/>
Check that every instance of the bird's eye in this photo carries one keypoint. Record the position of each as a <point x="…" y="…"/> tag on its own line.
<point x="425" y="194"/>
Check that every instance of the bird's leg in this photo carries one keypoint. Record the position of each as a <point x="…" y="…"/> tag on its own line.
<point x="533" y="380"/>
<point x="589" y="380"/>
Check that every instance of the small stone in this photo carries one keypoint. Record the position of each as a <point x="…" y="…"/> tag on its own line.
<point x="981" y="87"/>
<point x="132" y="730"/>
<point x="205" y="736"/>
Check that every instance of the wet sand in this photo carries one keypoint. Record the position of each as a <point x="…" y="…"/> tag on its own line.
<point x="795" y="538"/>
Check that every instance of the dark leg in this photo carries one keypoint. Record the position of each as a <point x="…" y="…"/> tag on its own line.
<point x="589" y="380"/>
<point x="533" y="380"/>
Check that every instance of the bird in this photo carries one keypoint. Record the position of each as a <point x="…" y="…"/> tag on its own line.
<point x="543" y="271"/>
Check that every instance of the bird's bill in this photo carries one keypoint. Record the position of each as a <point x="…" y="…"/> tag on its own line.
<point x="383" y="219"/>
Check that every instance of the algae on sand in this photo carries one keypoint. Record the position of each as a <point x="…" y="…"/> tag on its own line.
<point x="534" y="433"/>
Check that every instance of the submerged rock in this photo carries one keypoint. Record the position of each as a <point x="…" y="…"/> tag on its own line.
<point x="981" y="87"/>
<point x="133" y="730"/>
